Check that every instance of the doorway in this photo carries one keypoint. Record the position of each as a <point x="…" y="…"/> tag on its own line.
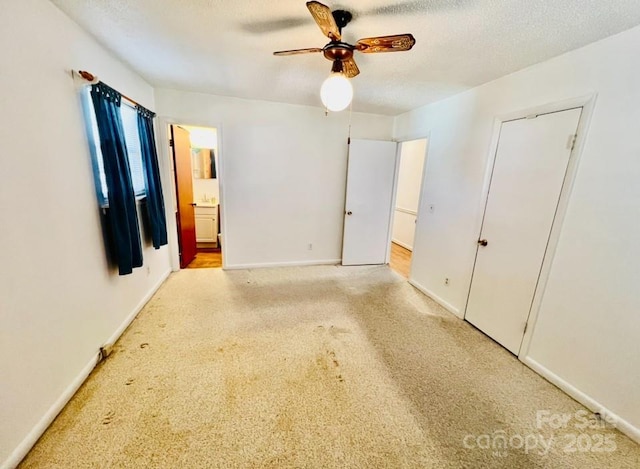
<point x="195" y="162"/>
<point x="412" y="155"/>
<point x="528" y="175"/>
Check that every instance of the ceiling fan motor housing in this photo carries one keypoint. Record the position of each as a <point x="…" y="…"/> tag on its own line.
<point x="338" y="51"/>
<point x="342" y="18"/>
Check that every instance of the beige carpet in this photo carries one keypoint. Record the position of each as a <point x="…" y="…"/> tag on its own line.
<point x="311" y="367"/>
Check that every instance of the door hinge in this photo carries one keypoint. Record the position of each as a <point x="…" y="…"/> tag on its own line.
<point x="526" y="326"/>
<point x="571" y="142"/>
<point x="348" y="140"/>
<point x="170" y="142"/>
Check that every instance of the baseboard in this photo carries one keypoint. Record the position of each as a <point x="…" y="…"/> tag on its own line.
<point x="448" y="306"/>
<point x="129" y="319"/>
<point x="400" y="243"/>
<point x="624" y="426"/>
<point x="36" y="432"/>
<point x="282" y="264"/>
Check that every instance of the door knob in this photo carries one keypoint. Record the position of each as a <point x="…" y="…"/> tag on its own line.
<point x="483" y="242"/>
<point x="193" y="204"/>
<point x="349" y="212"/>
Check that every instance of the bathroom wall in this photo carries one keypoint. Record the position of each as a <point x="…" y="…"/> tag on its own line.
<point x="205" y="190"/>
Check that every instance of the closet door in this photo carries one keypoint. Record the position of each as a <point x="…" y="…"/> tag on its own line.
<point x="528" y="175"/>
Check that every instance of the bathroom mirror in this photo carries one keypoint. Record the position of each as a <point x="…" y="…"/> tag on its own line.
<point x="203" y="163"/>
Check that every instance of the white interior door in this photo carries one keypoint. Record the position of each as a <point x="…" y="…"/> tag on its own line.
<point x="370" y="179"/>
<point x="528" y="174"/>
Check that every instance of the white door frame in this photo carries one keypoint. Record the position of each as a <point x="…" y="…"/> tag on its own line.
<point x="394" y="194"/>
<point x="587" y="103"/>
<point x="168" y="183"/>
<point x="426" y="136"/>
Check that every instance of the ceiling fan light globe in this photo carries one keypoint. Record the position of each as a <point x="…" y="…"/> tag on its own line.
<point x="336" y="92"/>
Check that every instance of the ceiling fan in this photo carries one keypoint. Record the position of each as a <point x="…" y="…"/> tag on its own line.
<point x="341" y="53"/>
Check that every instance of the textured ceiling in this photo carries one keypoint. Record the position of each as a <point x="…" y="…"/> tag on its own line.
<point x="225" y="46"/>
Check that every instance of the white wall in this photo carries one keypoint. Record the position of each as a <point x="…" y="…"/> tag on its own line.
<point x="283" y="173"/>
<point x="588" y="328"/>
<point x="58" y="301"/>
<point x="412" y="154"/>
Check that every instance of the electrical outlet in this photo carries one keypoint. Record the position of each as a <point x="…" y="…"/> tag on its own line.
<point x="310" y="246"/>
<point x="446" y="281"/>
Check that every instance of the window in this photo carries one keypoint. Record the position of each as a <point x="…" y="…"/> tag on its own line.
<point x="134" y="151"/>
<point x="132" y="138"/>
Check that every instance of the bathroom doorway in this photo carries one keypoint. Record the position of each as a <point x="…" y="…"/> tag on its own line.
<point x="195" y="163"/>
<point x="408" y="189"/>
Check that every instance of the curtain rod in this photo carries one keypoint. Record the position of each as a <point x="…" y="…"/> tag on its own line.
<point x="90" y="77"/>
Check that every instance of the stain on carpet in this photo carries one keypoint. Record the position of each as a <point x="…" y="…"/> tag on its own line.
<point x="321" y="367"/>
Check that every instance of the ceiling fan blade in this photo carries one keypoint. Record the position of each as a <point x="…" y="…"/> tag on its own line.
<point x="298" y="51"/>
<point x="349" y="68"/>
<point x="398" y="43"/>
<point x="323" y="16"/>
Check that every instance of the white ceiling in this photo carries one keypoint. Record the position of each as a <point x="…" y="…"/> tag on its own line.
<point x="225" y="46"/>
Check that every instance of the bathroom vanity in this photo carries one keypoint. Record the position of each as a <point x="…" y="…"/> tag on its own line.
<point x="206" y="225"/>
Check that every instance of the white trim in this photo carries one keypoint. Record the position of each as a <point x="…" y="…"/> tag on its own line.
<point x="222" y="212"/>
<point x="418" y="135"/>
<point x="421" y="136"/>
<point x="421" y="202"/>
<point x="394" y="195"/>
<point x="624" y="426"/>
<point x="587" y="103"/>
<point x="588" y="107"/>
<point x="548" y="108"/>
<point x="346" y="188"/>
<point x="407" y="211"/>
<point x="19" y="453"/>
<point x="168" y="189"/>
<point x="400" y="243"/>
<point x="282" y="264"/>
<point x="164" y="122"/>
<point x="448" y="306"/>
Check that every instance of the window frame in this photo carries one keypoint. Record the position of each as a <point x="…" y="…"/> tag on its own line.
<point x="140" y="190"/>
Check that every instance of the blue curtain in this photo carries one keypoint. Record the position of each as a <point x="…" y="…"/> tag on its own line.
<point x="155" y="202"/>
<point x="122" y="215"/>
